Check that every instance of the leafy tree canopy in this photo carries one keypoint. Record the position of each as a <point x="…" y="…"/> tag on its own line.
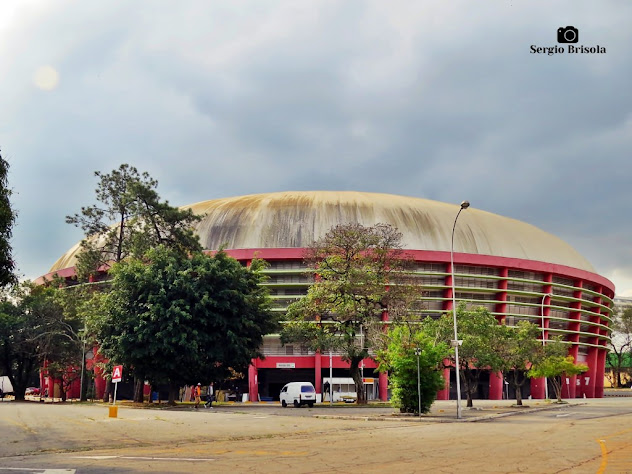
<point x="481" y="337"/>
<point x="555" y="365"/>
<point x="360" y="273"/>
<point x="413" y="361"/>
<point x="33" y="329"/>
<point x="7" y="218"/>
<point x="519" y="347"/>
<point x="620" y="344"/>
<point x="184" y="320"/>
<point x="129" y="219"/>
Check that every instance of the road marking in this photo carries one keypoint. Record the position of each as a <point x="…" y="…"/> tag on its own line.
<point x="42" y="470"/>
<point x="604" y="456"/>
<point x="98" y="458"/>
<point x="24" y="426"/>
<point x="562" y="416"/>
<point x="142" y="458"/>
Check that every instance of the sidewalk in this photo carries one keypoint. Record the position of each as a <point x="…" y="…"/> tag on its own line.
<point x="444" y="411"/>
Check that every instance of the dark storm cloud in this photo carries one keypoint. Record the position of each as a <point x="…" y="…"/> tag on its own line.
<point x="435" y="100"/>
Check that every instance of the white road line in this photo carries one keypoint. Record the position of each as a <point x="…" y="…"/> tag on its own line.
<point x="98" y="458"/>
<point x="149" y="458"/>
<point x="40" y="470"/>
<point x="142" y="458"/>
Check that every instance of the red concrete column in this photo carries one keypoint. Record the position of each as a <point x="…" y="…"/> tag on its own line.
<point x="496" y="383"/>
<point x="589" y="377"/>
<point x="445" y="393"/>
<point x="99" y="381"/>
<point x="501" y="296"/>
<point x="537" y="388"/>
<point x="599" y="375"/>
<point x="253" y="382"/>
<point x="383" y="381"/>
<point x="383" y="377"/>
<point x="572" y="391"/>
<point x="447" y="294"/>
<point x="318" y="374"/>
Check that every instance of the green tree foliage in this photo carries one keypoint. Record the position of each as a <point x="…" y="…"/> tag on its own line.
<point x="414" y="379"/>
<point x="33" y="329"/>
<point x="129" y="219"/>
<point x="482" y="337"/>
<point x="7" y="218"/>
<point x="80" y="303"/>
<point x="620" y="344"/>
<point x="556" y="365"/>
<point x="359" y="275"/>
<point x="174" y="319"/>
<point x="518" y="348"/>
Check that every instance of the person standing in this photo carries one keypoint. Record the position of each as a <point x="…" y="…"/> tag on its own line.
<point x="198" y="393"/>
<point x="210" y="396"/>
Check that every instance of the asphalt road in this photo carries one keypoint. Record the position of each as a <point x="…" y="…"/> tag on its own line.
<point x="594" y="436"/>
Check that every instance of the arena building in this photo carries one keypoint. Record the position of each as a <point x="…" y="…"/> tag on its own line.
<point x="512" y="268"/>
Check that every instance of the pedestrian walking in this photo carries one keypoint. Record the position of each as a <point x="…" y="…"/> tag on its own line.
<point x="197" y="390"/>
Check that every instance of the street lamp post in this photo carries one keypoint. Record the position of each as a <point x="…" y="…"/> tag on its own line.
<point x="546" y="380"/>
<point x="418" y="353"/>
<point x="456" y="342"/>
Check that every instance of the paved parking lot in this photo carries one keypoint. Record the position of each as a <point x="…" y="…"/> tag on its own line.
<point x="594" y="436"/>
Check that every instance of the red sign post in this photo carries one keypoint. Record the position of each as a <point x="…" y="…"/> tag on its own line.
<point x="117" y="373"/>
<point x="117" y="376"/>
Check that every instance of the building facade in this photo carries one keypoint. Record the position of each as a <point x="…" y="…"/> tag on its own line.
<point x="515" y="270"/>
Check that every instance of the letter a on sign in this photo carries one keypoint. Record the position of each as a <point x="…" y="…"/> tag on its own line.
<point x="117" y="373"/>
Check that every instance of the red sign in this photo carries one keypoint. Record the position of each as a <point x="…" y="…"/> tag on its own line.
<point x="117" y="373"/>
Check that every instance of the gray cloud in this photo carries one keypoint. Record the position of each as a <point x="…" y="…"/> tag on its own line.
<point x="435" y="100"/>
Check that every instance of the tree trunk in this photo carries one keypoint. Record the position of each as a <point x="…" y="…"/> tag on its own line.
<point x="138" y="390"/>
<point x="354" y="370"/>
<point x="468" y="382"/>
<point x="517" y="388"/>
<point x="557" y="386"/>
<point x="108" y="390"/>
<point x="173" y="390"/>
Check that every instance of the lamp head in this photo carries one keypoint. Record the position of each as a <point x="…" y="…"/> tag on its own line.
<point x="465" y="204"/>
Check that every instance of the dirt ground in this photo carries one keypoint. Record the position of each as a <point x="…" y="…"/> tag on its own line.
<point x="583" y="436"/>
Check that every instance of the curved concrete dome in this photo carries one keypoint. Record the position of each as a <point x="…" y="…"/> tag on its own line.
<point x="295" y="219"/>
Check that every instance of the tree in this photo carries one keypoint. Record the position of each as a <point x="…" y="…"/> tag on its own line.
<point x="7" y="218"/>
<point x="556" y="366"/>
<point x="129" y="219"/>
<point x="170" y="318"/>
<point x="360" y="274"/>
<point x="79" y="303"/>
<point x="414" y="378"/>
<point x="621" y="344"/>
<point x="518" y="349"/>
<point x="33" y="330"/>
<point x="480" y="350"/>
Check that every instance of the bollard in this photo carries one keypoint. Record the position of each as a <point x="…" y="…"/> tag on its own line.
<point x="113" y="412"/>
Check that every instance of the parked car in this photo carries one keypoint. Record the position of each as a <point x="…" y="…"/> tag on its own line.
<point x="298" y="393"/>
<point x="32" y="391"/>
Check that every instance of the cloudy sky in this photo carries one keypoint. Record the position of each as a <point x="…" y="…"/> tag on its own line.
<point x="436" y="99"/>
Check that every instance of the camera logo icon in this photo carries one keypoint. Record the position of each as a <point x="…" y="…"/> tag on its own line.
<point x="567" y="35"/>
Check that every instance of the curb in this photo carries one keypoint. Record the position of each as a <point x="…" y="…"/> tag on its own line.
<point x="434" y="419"/>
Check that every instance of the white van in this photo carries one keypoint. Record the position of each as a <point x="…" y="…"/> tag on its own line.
<point x="5" y="386"/>
<point x="298" y="393"/>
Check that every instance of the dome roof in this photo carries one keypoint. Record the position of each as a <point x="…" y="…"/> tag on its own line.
<point x="296" y="219"/>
